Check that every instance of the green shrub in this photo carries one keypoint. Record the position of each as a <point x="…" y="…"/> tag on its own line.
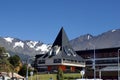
<point x="60" y="75"/>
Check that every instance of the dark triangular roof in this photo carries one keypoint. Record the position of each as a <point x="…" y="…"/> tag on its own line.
<point x="66" y="50"/>
<point x="61" y="39"/>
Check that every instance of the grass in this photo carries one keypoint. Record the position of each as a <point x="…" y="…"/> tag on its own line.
<point x="53" y="76"/>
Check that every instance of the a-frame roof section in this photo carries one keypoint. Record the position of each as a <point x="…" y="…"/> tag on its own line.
<point x="61" y="39"/>
<point x="66" y="49"/>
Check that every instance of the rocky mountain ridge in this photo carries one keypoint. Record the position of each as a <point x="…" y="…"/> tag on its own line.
<point x="107" y="39"/>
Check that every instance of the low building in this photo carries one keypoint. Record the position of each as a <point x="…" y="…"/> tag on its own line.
<point x="61" y="56"/>
<point x="106" y="62"/>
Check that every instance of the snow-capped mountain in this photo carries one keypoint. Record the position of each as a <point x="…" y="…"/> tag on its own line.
<point x="108" y="39"/>
<point x="23" y="47"/>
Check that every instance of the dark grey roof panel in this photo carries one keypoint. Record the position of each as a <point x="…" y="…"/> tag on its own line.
<point x="66" y="49"/>
<point x="61" y="39"/>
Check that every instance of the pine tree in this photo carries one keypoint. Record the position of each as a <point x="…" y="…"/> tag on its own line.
<point x="16" y="62"/>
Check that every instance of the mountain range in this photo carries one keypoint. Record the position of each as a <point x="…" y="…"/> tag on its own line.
<point x="107" y="39"/>
<point x="28" y="48"/>
<point x="23" y="48"/>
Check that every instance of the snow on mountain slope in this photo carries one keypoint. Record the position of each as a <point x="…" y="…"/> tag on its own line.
<point x="89" y="36"/>
<point x="113" y="30"/>
<point x="43" y="47"/>
<point x="9" y="39"/>
<point x="32" y="44"/>
<point x="19" y="44"/>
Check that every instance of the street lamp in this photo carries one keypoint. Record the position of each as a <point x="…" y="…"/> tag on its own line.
<point x="118" y="64"/>
<point x="94" y="61"/>
<point x="94" y="65"/>
<point x="27" y="69"/>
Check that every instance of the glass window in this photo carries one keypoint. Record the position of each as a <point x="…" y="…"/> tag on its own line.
<point x="41" y="62"/>
<point x="57" y="61"/>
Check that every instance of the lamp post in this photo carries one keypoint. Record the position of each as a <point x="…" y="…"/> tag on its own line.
<point x="118" y="64"/>
<point x="94" y="58"/>
<point x="94" y="64"/>
<point x="27" y="69"/>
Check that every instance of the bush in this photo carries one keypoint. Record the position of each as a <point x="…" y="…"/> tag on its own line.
<point x="60" y="75"/>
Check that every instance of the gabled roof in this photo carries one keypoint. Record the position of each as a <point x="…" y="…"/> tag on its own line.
<point x="63" y="48"/>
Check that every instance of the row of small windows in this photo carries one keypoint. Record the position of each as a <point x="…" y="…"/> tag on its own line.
<point x="100" y="55"/>
<point x="103" y="61"/>
<point x="60" y="60"/>
<point x="54" y="61"/>
<point x="57" y="61"/>
<point x="41" y="62"/>
<point x="72" y="61"/>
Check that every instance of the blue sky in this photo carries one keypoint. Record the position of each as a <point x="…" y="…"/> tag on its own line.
<point x="41" y="20"/>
